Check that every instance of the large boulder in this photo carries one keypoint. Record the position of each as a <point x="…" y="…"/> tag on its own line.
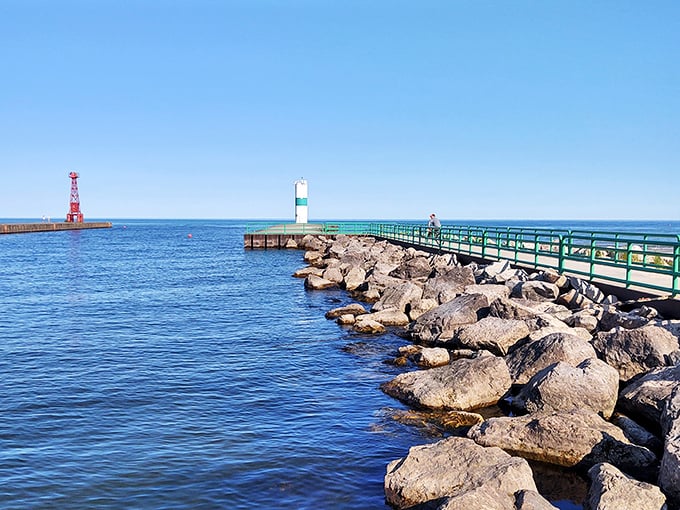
<point x="613" y="317"/>
<point x="465" y="384"/>
<point x="634" y="351"/>
<point x="536" y="314"/>
<point x="491" y="291"/>
<point x="421" y="306"/>
<point x="354" y="278"/>
<point x="448" y="283"/>
<point x="312" y="243"/>
<point x="363" y="324"/>
<point x="493" y="334"/>
<point x="646" y="396"/>
<point x="398" y="297"/>
<point x="565" y="438"/>
<point x="457" y="468"/>
<point x="314" y="282"/>
<point x="539" y="333"/>
<point x="428" y="357"/>
<point x="669" y="471"/>
<point x="333" y="274"/>
<point x="636" y="433"/>
<point x="416" y="267"/>
<point x="592" y="385"/>
<point x="587" y="289"/>
<point x="439" y="324"/>
<point x="306" y="271"/>
<point x="536" y="290"/>
<point x="351" y="309"/>
<point x="612" y="489"/>
<point x="389" y="317"/>
<point x="315" y="258"/>
<point x="527" y="360"/>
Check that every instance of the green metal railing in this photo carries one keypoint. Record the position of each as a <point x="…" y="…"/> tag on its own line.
<point x="644" y="261"/>
<point x="329" y="228"/>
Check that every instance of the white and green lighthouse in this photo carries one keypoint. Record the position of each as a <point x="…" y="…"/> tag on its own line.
<point x="301" y="201"/>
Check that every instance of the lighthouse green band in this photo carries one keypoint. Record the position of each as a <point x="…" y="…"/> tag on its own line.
<point x="300" y="201"/>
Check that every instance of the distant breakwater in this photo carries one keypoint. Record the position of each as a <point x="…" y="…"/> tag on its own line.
<point x="588" y="382"/>
<point x="25" y="228"/>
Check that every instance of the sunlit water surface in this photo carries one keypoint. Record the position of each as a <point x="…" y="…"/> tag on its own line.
<point x="158" y="364"/>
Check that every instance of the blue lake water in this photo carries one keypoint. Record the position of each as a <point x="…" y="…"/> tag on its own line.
<point x="143" y="368"/>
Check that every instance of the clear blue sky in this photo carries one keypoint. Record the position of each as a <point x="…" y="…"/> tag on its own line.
<point x="391" y="109"/>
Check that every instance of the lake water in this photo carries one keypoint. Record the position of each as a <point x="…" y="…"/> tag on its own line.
<point x="158" y="364"/>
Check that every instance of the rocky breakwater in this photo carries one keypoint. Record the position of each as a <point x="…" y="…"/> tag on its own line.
<point x="585" y="385"/>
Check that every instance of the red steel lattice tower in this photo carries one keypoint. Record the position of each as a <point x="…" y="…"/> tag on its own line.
<point x="74" y="215"/>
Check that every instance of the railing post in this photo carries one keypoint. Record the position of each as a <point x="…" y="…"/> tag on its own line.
<point x="561" y="253"/>
<point x="629" y="262"/>
<point x="676" y="268"/>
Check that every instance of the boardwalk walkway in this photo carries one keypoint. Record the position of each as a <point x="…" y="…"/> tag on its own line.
<point x="648" y="263"/>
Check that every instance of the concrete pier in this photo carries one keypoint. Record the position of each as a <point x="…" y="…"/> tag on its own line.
<point x="276" y="236"/>
<point x="24" y="228"/>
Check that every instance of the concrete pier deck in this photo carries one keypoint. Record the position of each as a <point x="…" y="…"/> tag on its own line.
<point x="277" y="236"/>
<point x="24" y="228"/>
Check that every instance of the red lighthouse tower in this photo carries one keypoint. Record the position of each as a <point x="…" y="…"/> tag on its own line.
<point x="74" y="215"/>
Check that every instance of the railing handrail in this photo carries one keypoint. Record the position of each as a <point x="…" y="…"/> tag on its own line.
<point x="646" y="260"/>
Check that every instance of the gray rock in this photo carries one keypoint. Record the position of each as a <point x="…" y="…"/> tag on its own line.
<point x="439" y="324"/>
<point x="398" y="297"/>
<point x="586" y="319"/>
<point x="314" y="282"/>
<point x="495" y="268"/>
<point x="306" y="271"/>
<point x="464" y="384"/>
<point x="420" y="306"/>
<point x="611" y="489"/>
<point x="491" y="333"/>
<point x="368" y="326"/>
<point x="669" y="471"/>
<point x="613" y="317"/>
<point x="536" y="314"/>
<point x="354" y="278"/>
<point x="549" y="330"/>
<point x="573" y="438"/>
<point x="536" y="290"/>
<point x="346" y="320"/>
<point x="333" y="274"/>
<point x="452" y="468"/>
<point x="527" y="360"/>
<point x="416" y="267"/>
<point x="591" y="385"/>
<point x="634" y="351"/>
<point x="492" y="292"/>
<point x="312" y="243"/>
<point x="636" y="433"/>
<point x="552" y="276"/>
<point x="315" y="258"/>
<point x="389" y="317"/>
<point x="531" y="500"/>
<point x="448" y="283"/>
<point x="574" y="300"/>
<point x="429" y="357"/>
<point x="586" y="288"/>
<point x="352" y="309"/>
<point x="646" y="396"/>
<point x="672" y="326"/>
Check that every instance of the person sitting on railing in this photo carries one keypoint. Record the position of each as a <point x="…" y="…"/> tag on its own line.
<point x="433" y="226"/>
